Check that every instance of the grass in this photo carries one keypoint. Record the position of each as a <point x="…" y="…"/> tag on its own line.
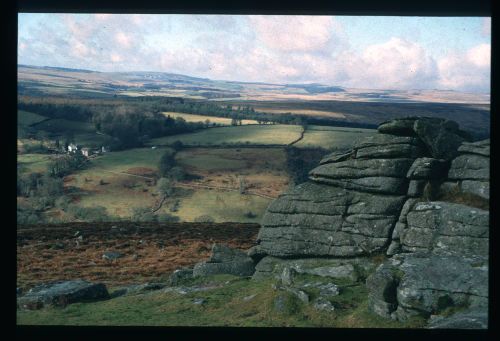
<point x="32" y="163"/>
<point x="26" y="118"/>
<point x="262" y="168"/>
<point x="250" y="134"/>
<point x="224" y="306"/>
<point x="121" y="161"/>
<point x="201" y="118"/>
<point x="332" y="137"/>
<point x="222" y="206"/>
<point x="60" y="125"/>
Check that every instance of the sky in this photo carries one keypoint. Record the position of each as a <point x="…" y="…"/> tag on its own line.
<point x="371" y="52"/>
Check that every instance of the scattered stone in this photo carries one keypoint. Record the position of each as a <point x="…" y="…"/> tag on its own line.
<point x="225" y="260"/>
<point x="249" y="298"/>
<point x="321" y="304"/>
<point x="77" y="233"/>
<point x="288" y="275"/>
<point x="180" y="275"/>
<point x="111" y="255"/>
<point x="199" y="301"/>
<point x="62" y="293"/>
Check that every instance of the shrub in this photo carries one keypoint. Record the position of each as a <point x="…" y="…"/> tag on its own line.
<point x="167" y="218"/>
<point x="250" y="214"/>
<point x="143" y="214"/>
<point x="94" y="213"/>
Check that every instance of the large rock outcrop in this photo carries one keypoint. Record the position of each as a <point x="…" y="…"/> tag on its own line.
<point x="384" y="197"/>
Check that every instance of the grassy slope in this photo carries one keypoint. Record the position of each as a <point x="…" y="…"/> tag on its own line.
<point x="253" y="134"/>
<point x="31" y="163"/>
<point x="224" y="307"/>
<point x="332" y="137"/>
<point x="26" y="118"/>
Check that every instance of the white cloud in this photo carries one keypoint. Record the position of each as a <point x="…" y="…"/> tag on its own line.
<point x="395" y="64"/>
<point x="297" y="33"/>
<point x="469" y="71"/>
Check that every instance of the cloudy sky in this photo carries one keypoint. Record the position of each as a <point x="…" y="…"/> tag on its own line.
<point x="360" y="52"/>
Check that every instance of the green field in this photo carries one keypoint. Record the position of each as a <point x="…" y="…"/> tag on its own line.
<point x="31" y="163"/>
<point x="222" y="206"/>
<point x="332" y="137"/>
<point x="200" y="118"/>
<point x="250" y="134"/>
<point x="60" y="125"/>
<point x="25" y="118"/>
<point x="121" y="193"/>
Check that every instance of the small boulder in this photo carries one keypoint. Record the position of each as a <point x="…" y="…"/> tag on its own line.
<point x="180" y="275"/>
<point x="61" y="293"/>
<point x="225" y="260"/>
<point x="111" y="255"/>
<point x="321" y="304"/>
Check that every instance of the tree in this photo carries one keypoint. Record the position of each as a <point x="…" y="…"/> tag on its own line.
<point x="165" y="187"/>
<point x="243" y="185"/>
<point x="177" y="145"/>
<point x="167" y="161"/>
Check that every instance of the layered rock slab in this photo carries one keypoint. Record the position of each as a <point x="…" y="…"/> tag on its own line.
<point x="319" y="220"/>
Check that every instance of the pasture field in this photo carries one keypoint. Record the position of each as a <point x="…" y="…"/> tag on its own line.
<point x="332" y="137"/>
<point x="251" y="134"/>
<point x="263" y="171"/>
<point x="60" y="125"/>
<point x="31" y="163"/>
<point x="25" y="118"/>
<point x="200" y="118"/>
<point x="222" y="206"/>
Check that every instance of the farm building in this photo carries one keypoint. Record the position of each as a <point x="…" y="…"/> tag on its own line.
<point x="85" y="152"/>
<point x="72" y="148"/>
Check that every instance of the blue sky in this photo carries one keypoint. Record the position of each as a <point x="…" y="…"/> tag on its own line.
<point x="362" y="52"/>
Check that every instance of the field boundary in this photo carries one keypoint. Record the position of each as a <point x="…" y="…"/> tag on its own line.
<point x="300" y="137"/>
<point x="230" y="189"/>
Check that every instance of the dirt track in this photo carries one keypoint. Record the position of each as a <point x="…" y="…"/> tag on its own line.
<point x="151" y="251"/>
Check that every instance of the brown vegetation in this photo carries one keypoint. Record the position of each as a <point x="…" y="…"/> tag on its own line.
<point x="151" y="251"/>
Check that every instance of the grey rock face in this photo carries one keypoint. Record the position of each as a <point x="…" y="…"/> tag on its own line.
<point x="336" y="157"/>
<point x="470" y="171"/>
<point x="428" y="168"/>
<point x="470" y="167"/>
<point x="479" y="148"/>
<point x="225" y="260"/>
<point x="368" y="175"/>
<point x="362" y="168"/>
<point x="441" y="137"/>
<point x="401" y="127"/>
<point x="446" y="228"/>
<point x="351" y="268"/>
<point x="423" y="284"/>
<point x="320" y="220"/>
<point x="383" y="146"/>
<point x="62" y="293"/>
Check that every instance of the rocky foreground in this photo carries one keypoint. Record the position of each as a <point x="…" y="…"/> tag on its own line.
<point x="405" y="213"/>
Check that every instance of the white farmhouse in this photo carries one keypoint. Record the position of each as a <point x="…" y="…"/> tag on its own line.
<point x="72" y="148"/>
